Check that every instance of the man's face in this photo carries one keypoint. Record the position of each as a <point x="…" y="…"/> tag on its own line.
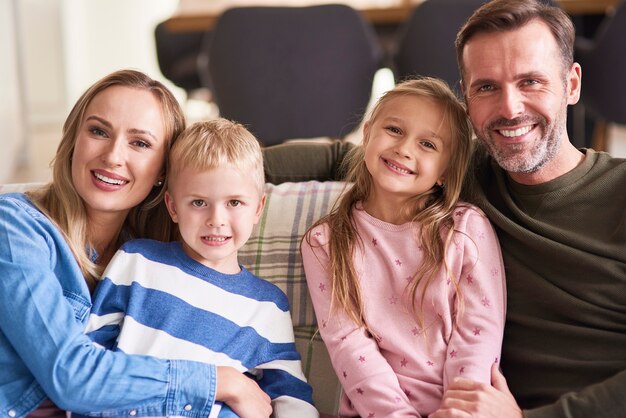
<point x="517" y="91"/>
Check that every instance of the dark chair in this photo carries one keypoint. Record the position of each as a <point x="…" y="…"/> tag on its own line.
<point x="426" y="40"/>
<point x="293" y="72"/>
<point x="603" y="62"/>
<point x="182" y="58"/>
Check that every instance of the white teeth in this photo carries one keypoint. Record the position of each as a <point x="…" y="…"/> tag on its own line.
<point x="516" y="132"/>
<point x="216" y="239"/>
<point x="400" y="169"/>
<point x="108" y="180"/>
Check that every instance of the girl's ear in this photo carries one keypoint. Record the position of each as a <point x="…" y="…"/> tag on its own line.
<point x="366" y="132"/>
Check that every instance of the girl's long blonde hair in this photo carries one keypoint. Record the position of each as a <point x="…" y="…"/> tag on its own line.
<point x="62" y="204"/>
<point x="433" y="210"/>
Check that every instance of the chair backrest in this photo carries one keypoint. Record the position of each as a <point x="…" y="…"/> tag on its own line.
<point x="426" y="41"/>
<point x="179" y="55"/>
<point x="603" y="64"/>
<point x="293" y="72"/>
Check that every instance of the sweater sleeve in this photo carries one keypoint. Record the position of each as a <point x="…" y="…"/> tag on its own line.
<point x="476" y="340"/>
<point x="282" y="377"/>
<point x="603" y="399"/>
<point x="367" y="379"/>
<point x="41" y="321"/>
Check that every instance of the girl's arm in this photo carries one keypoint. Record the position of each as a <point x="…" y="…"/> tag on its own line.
<point x="43" y="323"/>
<point x="367" y="378"/>
<point x="476" y="340"/>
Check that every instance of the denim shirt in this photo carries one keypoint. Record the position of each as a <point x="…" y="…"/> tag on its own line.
<point x="44" y="305"/>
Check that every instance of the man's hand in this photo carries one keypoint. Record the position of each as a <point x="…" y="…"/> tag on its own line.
<point x="466" y="398"/>
<point x="242" y="394"/>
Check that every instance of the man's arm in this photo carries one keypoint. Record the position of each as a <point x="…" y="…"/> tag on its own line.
<point x="464" y="398"/>
<point x="305" y="160"/>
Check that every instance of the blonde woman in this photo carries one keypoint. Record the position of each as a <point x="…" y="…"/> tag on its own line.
<point x="406" y="281"/>
<point x="107" y="183"/>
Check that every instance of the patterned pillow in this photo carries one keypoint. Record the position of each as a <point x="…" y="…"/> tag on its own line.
<point x="273" y="250"/>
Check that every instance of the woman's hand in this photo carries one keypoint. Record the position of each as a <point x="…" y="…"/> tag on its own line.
<point x="466" y="398"/>
<point x="242" y="394"/>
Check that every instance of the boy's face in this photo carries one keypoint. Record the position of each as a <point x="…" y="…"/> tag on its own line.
<point x="215" y="211"/>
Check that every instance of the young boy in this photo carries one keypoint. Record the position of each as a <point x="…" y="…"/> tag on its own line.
<point x="192" y="299"/>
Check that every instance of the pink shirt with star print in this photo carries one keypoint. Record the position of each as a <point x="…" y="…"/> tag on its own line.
<point x="404" y="370"/>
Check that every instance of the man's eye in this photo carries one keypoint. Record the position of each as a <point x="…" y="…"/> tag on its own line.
<point x="485" y="87"/>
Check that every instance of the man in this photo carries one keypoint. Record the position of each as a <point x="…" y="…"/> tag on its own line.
<point x="560" y="215"/>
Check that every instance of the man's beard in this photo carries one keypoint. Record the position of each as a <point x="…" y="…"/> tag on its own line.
<point x="518" y="158"/>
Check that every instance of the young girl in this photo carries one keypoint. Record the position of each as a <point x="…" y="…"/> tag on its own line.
<point x="406" y="281"/>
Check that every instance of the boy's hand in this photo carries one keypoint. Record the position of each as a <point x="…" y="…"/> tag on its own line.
<point x="242" y="394"/>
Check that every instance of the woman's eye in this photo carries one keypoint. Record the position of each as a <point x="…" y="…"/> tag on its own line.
<point x="141" y="144"/>
<point x="97" y="131"/>
<point x="197" y="203"/>
<point x="234" y="203"/>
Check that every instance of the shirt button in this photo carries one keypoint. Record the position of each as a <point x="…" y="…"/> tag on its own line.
<point x="187" y="407"/>
<point x="133" y="413"/>
<point x="12" y="413"/>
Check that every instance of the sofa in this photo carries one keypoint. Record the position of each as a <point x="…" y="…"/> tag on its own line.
<point x="273" y="253"/>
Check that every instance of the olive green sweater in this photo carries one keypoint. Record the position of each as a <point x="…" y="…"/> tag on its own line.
<point x="564" y="250"/>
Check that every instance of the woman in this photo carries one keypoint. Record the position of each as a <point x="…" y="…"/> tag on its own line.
<point x="54" y="243"/>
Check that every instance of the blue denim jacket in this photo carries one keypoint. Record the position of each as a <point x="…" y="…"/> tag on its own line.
<point x="44" y="305"/>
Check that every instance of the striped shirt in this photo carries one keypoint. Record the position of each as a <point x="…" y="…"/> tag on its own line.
<point x="156" y="300"/>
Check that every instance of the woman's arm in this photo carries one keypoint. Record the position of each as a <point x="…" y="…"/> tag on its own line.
<point x="42" y="320"/>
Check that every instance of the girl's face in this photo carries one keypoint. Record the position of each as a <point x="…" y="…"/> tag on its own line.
<point x="119" y="151"/>
<point x="407" y="148"/>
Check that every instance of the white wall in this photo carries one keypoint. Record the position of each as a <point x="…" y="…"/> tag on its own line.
<point x="11" y="111"/>
<point x="52" y="50"/>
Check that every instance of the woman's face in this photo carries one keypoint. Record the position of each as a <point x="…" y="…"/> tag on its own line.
<point x="119" y="152"/>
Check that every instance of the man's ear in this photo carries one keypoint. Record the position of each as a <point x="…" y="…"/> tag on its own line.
<point x="171" y="206"/>
<point x="574" y="79"/>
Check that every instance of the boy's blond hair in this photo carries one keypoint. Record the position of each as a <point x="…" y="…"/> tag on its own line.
<point x="214" y="143"/>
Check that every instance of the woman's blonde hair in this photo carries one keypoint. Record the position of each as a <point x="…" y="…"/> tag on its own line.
<point x="433" y="210"/>
<point x="214" y="143"/>
<point x="62" y="204"/>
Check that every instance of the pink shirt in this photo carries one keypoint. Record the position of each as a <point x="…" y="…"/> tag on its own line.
<point x="404" y="372"/>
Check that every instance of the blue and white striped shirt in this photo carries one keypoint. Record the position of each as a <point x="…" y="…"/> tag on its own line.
<point x="154" y="299"/>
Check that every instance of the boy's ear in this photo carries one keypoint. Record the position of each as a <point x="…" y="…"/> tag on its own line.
<point x="259" y="209"/>
<point x="171" y="206"/>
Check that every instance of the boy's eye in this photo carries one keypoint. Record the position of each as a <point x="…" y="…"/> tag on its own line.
<point x="198" y="203"/>
<point x="234" y="203"/>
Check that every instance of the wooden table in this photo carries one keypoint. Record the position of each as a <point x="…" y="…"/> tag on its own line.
<point x="199" y="15"/>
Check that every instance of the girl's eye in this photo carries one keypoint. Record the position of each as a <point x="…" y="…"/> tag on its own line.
<point x="234" y="203"/>
<point x="428" y="144"/>
<point x="197" y="203"/>
<point x="394" y="130"/>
